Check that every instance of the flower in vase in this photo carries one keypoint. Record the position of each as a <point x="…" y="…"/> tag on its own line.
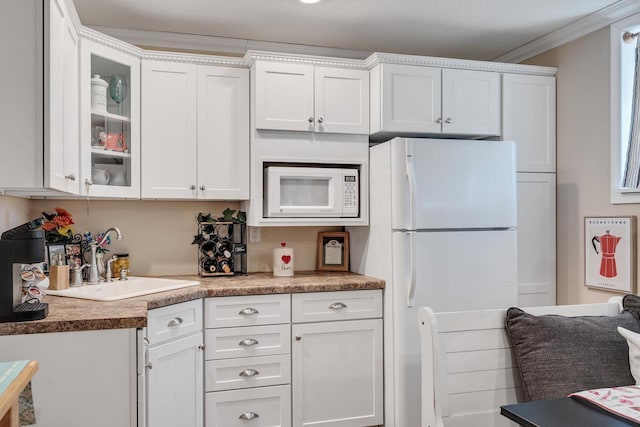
<point x="58" y="225"/>
<point x="102" y="248"/>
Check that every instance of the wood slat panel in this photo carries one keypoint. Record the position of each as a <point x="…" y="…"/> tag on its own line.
<point x="483" y="401"/>
<point x="482" y="380"/>
<point x="489" y="419"/>
<point x="475" y="340"/>
<point x="480" y="360"/>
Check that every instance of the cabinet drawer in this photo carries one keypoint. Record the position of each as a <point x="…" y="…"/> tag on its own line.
<point x="343" y="305"/>
<point x="247" y="372"/>
<point x="174" y="321"/>
<point x="247" y="310"/>
<point x="225" y="343"/>
<point x="263" y="406"/>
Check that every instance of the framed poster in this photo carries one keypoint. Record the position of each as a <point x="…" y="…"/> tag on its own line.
<point x="609" y="253"/>
<point x="333" y="251"/>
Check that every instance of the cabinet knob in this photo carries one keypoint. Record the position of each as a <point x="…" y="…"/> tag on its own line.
<point x="248" y="311"/>
<point x="202" y="187"/>
<point x="439" y="120"/>
<point x="193" y="187"/>
<point x="249" y="373"/>
<point x="337" y="306"/>
<point x="149" y="365"/>
<point x="201" y="347"/>
<point x="310" y="119"/>
<point x="248" y="342"/>
<point x="70" y="177"/>
<point x="88" y="182"/>
<point x="298" y="338"/>
<point x="321" y="119"/>
<point x="249" y="416"/>
<point x="448" y="120"/>
<point x="176" y="321"/>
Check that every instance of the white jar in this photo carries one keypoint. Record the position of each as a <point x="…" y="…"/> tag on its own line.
<point x="283" y="261"/>
<point x="98" y="94"/>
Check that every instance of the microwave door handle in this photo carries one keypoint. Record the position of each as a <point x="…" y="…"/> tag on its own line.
<point x="412" y="262"/>
<point x="411" y="177"/>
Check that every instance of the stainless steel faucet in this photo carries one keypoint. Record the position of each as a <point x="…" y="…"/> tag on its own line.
<point x="94" y="278"/>
<point x="108" y="272"/>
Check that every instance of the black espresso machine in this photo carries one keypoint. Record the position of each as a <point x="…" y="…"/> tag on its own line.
<point x="21" y="245"/>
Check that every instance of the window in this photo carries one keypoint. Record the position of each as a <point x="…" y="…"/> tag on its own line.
<point x="622" y="83"/>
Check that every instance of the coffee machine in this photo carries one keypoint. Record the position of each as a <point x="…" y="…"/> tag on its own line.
<point x="20" y="245"/>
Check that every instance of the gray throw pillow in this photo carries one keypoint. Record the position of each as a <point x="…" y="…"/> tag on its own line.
<point x="558" y="355"/>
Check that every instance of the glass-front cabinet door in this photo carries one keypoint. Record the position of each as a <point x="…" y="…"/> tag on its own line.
<point x="110" y="121"/>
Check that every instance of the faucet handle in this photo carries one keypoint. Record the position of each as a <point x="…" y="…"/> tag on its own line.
<point x="123" y="274"/>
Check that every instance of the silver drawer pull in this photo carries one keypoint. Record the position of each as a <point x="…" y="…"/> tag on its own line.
<point x="176" y="321"/>
<point x="248" y="342"/>
<point x="337" y="306"/>
<point x="249" y="416"/>
<point x="249" y="373"/>
<point x="248" y="311"/>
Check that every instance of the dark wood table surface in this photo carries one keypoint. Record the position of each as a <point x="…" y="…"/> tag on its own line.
<point x="562" y="412"/>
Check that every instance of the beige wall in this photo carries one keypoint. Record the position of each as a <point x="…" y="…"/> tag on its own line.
<point x="583" y="144"/>
<point x="158" y="235"/>
<point x="13" y="212"/>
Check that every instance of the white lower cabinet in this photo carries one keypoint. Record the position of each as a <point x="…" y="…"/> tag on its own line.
<point x="329" y="374"/>
<point x="173" y="367"/>
<point x="337" y="359"/>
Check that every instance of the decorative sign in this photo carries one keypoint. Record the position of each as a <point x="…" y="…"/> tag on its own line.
<point x="609" y="253"/>
<point x="333" y="251"/>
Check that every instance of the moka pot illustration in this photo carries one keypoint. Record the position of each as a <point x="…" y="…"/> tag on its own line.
<point x="608" y="243"/>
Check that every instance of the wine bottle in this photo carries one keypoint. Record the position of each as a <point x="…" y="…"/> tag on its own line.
<point x="209" y="265"/>
<point x="225" y="265"/>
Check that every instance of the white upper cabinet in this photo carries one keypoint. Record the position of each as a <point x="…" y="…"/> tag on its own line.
<point x="415" y="100"/>
<point x="470" y="102"/>
<point x="309" y="98"/>
<point x="39" y="81"/>
<point x="110" y="128"/>
<point x="529" y="118"/>
<point x="195" y="136"/>
<point x="169" y="130"/>
<point x="223" y="133"/>
<point x="62" y="102"/>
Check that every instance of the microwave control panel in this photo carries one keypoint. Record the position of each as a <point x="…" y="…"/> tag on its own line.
<point x="350" y="202"/>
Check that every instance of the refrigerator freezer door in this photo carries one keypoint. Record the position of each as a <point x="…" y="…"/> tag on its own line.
<point x="452" y="184"/>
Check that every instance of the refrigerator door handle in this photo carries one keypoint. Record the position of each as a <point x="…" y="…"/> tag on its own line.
<point x="411" y="176"/>
<point x="412" y="260"/>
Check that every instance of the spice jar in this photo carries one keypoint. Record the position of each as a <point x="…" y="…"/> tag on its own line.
<point x="122" y="263"/>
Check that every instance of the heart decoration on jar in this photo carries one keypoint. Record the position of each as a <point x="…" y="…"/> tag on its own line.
<point x="283" y="260"/>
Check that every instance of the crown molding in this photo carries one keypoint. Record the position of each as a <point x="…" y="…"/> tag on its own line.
<point x="251" y="56"/>
<point x="590" y="23"/>
<point x="228" y="61"/>
<point x="225" y="45"/>
<point x="112" y="42"/>
<point x="463" y="64"/>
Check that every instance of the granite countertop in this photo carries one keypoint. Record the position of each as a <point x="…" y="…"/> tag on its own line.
<point x="72" y="314"/>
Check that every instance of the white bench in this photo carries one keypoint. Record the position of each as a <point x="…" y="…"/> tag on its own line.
<point x="468" y="368"/>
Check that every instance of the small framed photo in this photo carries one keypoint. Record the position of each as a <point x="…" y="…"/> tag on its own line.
<point x="609" y="253"/>
<point x="73" y="254"/>
<point x="333" y="251"/>
<point x="54" y="251"/>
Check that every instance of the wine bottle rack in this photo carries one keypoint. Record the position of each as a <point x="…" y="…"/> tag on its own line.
<point x="222" y="250"/>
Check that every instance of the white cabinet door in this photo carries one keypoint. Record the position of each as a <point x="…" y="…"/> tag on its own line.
<point x="341" y="100"/>
<point x="470" y="102"/>
<point x="536" y="239"/>
<point x="84" y="378"/>
<point x="62" y="149"/>
<point x="529" y="118"/>
<point x="337" y="373"/>
<point x="411" y="99"/>
<point x="109" y="138"/>
<point x="175" y="383"/>
<point x="284" y="96"/>
<point x="223" y="133"/>
<point x="169" y="130"/>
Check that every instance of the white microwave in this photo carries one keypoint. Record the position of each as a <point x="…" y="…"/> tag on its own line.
<point x="311" y="192"/>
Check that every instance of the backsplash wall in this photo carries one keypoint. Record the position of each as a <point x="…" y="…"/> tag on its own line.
<point x="13" y="212"/>
<point x="158" y="234"/>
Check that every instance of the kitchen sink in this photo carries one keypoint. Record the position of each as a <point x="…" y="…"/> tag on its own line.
<point x="118" y="289"/>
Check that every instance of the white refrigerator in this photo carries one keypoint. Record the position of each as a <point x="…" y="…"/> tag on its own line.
<point x="442" y="234"/>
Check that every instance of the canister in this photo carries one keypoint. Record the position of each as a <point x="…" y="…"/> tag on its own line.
<point x="98" y="94"/>
<point x="283" y="260"/>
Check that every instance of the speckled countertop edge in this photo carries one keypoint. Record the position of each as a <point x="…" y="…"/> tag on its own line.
<point x="72" y="314"/>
